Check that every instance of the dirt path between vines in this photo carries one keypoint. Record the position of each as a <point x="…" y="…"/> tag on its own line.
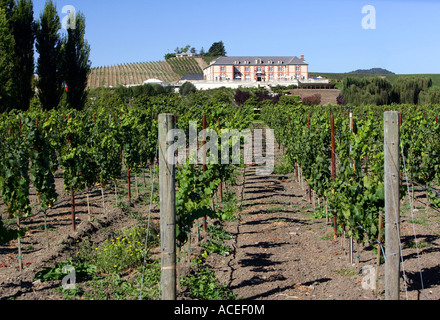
<point x="282" y="253"/>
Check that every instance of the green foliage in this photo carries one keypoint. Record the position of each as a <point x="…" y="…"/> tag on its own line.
<point x="7" y="235"/>
<point x="229" y="207"/>
<point x="204" y="285"/>
<point x="82" y="271"/>
<point x="48" y="46"/>
<point x="187" y="88"/>
<point x="356" y="196"/>
<point x="91" y="145"/>
<point x="14" y="175"/>
<point x="105" y="144"/>
<point x="123" y="251"/>
<point x="114" y="287"/>
<point x="408" y="89"/>
<point x="170" y="55"/>
<point x="283" y="167"/>
<point x="217" y="49"/>
<point x="430" y="96"/>
<point x="148" y="89"/>
<point x="75" y="63"/>
<point x="193" y="198"/>
<point x="184" y="65"/>
<point x="217" y="232"/>
<point x="216" y="246"/>
<point x="23" y="29"/>
<point x="365" y="91"/>
<point x="42" y="163"/>
<point x="379" y="91"/>
<point x="7" y="45"/>
<point x="75" y="158"/>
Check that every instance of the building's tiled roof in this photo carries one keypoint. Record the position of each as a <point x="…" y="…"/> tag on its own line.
<point x="265" y="61"/>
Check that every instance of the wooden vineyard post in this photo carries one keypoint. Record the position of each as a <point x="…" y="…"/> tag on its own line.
<point x="309" y="194"/>
<point x="72" y="204"/>
<point x="335" y="230"/>
<point x="351" y="127"/>
<point x="221" y="182"/>
<point x="72" y="192"/>
<point x="378" y="251"/>
<point x="20" y="258"/>
<point x="392" y="205"/>
<point x="167" y="210"/>
<point x="129" y="185"/>
<point x="205" y="218"/>
<point x="45" y="228"/>
<point x="103" y="199"/>
<point x="88" y="201"/>
<point x="136" y="184"/>
<point x="296" y="172"/>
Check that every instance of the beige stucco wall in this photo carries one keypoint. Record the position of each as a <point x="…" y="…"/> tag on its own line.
<point x="214" y="72"/>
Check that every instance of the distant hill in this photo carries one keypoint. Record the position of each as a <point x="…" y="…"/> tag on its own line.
<point x="136" y="73"/>
<point x="372" y="71"/>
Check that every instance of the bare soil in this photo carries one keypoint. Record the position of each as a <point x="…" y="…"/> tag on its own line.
<point x="327" y="95"/>
<point x="279" y="251"/>
<point x="63" y="242"/>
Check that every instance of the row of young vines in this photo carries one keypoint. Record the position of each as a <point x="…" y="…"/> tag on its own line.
<point x="352" y="185"/>
<point x="91" y="148"/>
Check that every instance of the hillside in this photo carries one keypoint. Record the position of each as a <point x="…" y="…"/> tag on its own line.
<point x="136" y="73"/>
<point x="373" y="71"/>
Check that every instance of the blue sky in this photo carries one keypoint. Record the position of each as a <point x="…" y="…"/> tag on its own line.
<point x="329" y="33"/>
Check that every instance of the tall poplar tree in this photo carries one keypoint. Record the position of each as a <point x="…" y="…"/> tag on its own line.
<point x="48" y="45"/>
<point x="76" y="64"/>
<point x="6" y="61"/>
<point x="23" y="30"/>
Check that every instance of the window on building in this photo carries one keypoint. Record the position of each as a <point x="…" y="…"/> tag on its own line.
<point x="248" y="77"/>
<point x="298" y="68"/>
<point x="222" y="68"/>
<point x="246" y="69"/>
<point x="271" y="77"/>
<point x="270" y="69"/>
<point x="280" y="69"/>
<point x="280" y="76"/>
<point x="222" y="76"/>
<point x="258" y="69"/>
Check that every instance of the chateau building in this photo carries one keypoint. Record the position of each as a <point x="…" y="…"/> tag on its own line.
<point x="260" y="69"/>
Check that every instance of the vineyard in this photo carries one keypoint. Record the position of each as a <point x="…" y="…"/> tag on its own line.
<point x="80" y="188"/>
<point x="136" y="73"/>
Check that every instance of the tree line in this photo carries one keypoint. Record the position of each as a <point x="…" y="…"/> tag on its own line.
<point x="380" y="91"/>
<point x="59" y="76"/>
<point x="217" y="49"/>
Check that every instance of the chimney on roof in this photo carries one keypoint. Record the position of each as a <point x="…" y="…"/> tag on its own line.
<point x="302" y="57"/>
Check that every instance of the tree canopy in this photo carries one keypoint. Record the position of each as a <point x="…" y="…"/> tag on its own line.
<point x="217" y="49"/>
